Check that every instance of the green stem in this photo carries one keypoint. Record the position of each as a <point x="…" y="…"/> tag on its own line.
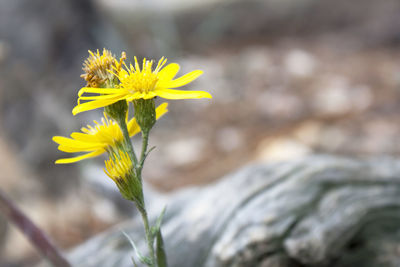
<point x="145" y="143"/>
<point x="138" y="166"/>
<point x="149" y="237"/>
<point x="127" y="139"/>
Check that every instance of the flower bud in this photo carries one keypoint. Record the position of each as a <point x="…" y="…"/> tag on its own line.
<point x="120" y="169"/>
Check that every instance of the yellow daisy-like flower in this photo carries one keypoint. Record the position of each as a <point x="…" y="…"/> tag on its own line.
<point x="104" y="136"/>
<point x="119" y="169"/>
<point x="141" y="83"/>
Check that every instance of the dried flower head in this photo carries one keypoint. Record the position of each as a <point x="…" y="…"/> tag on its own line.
<point x="97" y="67"/>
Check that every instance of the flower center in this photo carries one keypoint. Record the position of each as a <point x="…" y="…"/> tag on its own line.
<point x="119" y="166"/>
<point x="142" y="80"/>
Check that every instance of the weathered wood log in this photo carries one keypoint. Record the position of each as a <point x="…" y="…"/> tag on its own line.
<point x="319" y="211"/>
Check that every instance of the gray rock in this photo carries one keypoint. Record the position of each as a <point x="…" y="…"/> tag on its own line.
<point x="319" y="211"/>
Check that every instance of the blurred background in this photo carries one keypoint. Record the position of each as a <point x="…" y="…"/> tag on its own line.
<point x="289" y="78"/>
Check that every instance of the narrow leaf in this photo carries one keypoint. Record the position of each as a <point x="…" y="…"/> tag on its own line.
<point x="156" y="228"/>
<point x="160" y="251"/>
<point x="142" y="259"/>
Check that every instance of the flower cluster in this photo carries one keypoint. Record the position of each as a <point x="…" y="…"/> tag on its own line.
<point x="145" y="83"/>
<point x="112" y="84"/>
<point x="110" y="81"/>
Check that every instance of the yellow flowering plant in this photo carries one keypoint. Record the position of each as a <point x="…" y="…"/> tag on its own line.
<point x="113" y="85"/>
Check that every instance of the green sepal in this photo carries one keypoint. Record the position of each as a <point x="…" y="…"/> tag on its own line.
<point x="145" y="113"/>
<point x="117" y="111"/>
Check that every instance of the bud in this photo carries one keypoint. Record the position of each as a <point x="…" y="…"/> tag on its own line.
<point x="120" y="169"/>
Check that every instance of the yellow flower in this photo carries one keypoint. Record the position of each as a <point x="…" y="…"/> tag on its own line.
<point x="119" y="167"/>
<point x="104" y="136"/>
<point x="141" y="83"/>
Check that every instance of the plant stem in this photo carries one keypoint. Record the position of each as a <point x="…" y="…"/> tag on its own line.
<point x="143" y="154"/>
<point x="37" y="237"/>
<point x="143" y="212"/>
<point x="129" y="147"/>
<point x="149" y="237"/>
<point x="138" y="166"/>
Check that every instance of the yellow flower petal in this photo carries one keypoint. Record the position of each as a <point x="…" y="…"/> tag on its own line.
<point x="82" y="137"/>
<point x="183" y="80"/>
<point x="91" y="90"/>
<point x="133" y="127"/>
<point x="65" y="141"/>
<point x="161" y="110"/>
<point x="97" y="97"/>
<point x="95" y="104"/>
<point x="78" y="158"/>
<point x="180" y="94"/>
<point x="71" y="149"/>
<point x="168" y="73"/>
<point x="139" y="95"/>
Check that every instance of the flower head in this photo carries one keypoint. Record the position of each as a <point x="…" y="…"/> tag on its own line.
<point x="95" y="140"/>
<point x="118" y="167"/>
<point x="97" y="67"/>
<point x="121" y="170"/>
<point x="141" y="83"/>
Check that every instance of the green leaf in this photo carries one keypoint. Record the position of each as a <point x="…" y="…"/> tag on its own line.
<point x="156" y="228"/>
<point x="160" y="251"/>
<point x="142" y="259"/>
